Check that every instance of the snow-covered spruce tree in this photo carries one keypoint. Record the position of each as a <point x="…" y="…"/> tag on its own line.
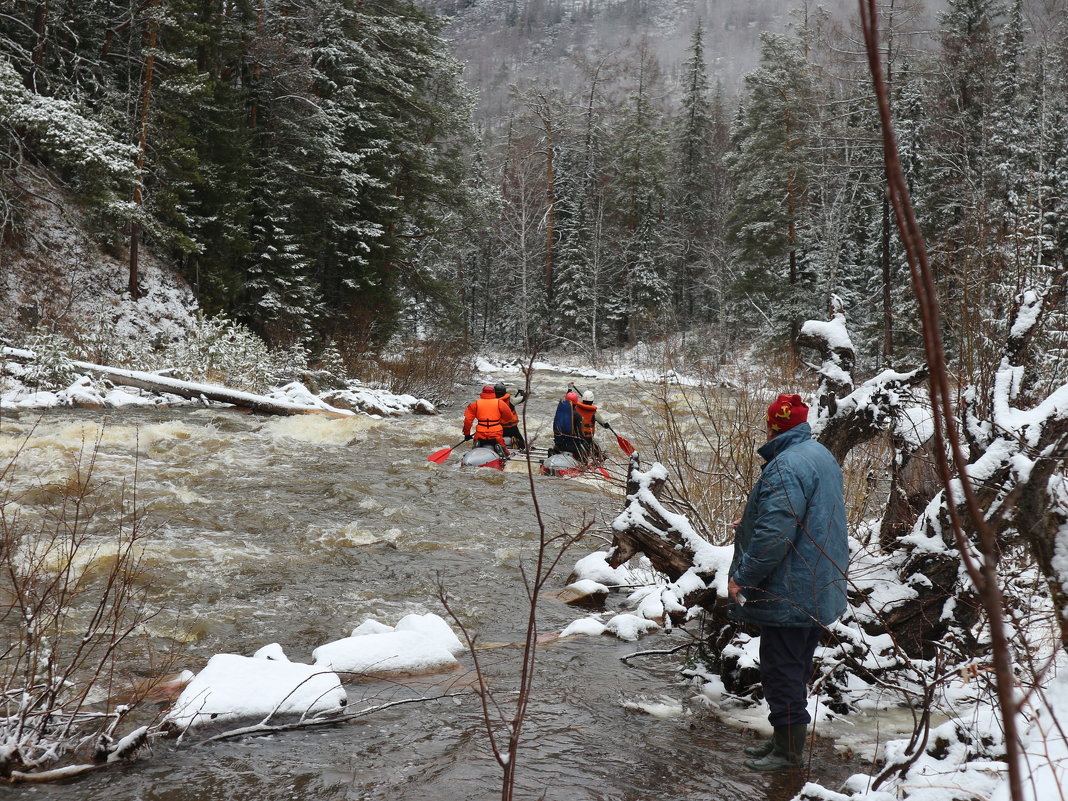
<point x="576" y="289"/>
<point x="583" y="247"/>
<point x="962" y="241"/>
<point x="64" y="134"/>
<point x="364" y="146"/>
<point x="769" y="221"/>
<point x="696" y="194"/>
<point x="638" y="184"/>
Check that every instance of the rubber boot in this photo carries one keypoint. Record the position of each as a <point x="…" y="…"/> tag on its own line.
<point x="761" y="749"/>
<point x="788" y="745"/>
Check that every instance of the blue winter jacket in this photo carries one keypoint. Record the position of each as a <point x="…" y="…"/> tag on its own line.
<point x="790" y="547"/>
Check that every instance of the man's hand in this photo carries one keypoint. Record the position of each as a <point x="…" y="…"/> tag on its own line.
<point x="733" y="589"/>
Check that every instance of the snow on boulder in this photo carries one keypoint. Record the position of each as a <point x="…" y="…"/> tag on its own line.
<point x="273" y="651"/>
<point x="82" y="393"/>
<point x="584" y="592"/>
<point x="370" y="626"/>
<point x="297" y="393"/>
<point x="23" y="398"/>
<point x="595" y="567"/>
<point x="234" y="688"/>
<point x="377" y="402"/>
<point x="433" y="627"/>
<point x="587" y="625"/>
<point x="389" y="653"/>
<point x="629" y="627"/>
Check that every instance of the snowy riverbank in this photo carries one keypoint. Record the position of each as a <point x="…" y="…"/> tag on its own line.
<point x="89" y="391"/>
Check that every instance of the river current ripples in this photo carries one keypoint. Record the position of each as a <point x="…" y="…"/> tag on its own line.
<point x="295" y="530"/>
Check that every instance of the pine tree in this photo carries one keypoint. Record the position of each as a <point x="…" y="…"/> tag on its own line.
<point x="697" y="189"/>
<point x="769" y="171"/>
<point x="638" y="180"/>
<point x="576" y="295"/>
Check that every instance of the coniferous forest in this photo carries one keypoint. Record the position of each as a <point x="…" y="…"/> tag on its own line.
<point x="318" y="171"/>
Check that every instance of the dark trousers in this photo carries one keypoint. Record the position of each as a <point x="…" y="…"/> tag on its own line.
<point x="495" y="444"/>
<point x="785" y="667"/>
<point x="513" y="434"/>
<point x="570" y="444"/>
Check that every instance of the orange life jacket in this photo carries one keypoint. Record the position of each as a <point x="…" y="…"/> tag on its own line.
<point x="490" y="412"/>
<point x="587" y="411"/>
<point x="513" y="416"/>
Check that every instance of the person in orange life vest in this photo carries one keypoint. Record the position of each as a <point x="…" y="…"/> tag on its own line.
<point x="567" y="427"/>
<point x="511" y="430"/>
<point x="492" y="414"/>
<point x="587" y="411"/>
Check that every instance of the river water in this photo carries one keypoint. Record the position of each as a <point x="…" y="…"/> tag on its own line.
<point x="295" y="530"/>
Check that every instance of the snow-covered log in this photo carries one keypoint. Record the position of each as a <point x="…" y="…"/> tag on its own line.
<point x="161" y="384"/>
<point x="1017" y="467"/>
<point x="832" y="340"/>
<point x="697" y="569"/>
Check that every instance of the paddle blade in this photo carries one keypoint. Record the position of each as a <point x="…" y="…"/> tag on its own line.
<point x="439" y="457"/>
<point x="624" y="446"/>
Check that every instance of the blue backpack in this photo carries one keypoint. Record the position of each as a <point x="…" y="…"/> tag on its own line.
<point x="564" y="421"/>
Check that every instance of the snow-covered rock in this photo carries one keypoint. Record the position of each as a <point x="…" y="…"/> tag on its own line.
<point x="390" y="653"/>
<point x="233" y="688"/>
<point x="629" y="627"/>
<point x="584" y="592"/>
<point x="586" y="625"/>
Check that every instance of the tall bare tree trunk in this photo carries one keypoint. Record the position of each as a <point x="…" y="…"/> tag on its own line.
<point x="550" y="206"/>
<point x="40" y="31"/>
<point x="150" y="38"/>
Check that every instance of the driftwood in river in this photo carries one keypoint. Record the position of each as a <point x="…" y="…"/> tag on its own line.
<point x="161" y="384"/>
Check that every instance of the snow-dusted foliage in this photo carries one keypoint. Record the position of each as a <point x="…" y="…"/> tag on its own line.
<point x="219" y="350"/>
<point x="66" y="133"/>
<point x="915" y="634"/>
<point x="52" y="368"/>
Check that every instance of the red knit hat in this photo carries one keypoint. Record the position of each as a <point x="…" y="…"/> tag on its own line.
<point x="785" y="412"/>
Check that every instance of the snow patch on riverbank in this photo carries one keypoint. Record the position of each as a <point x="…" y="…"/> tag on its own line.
<point x="623" y="371"/>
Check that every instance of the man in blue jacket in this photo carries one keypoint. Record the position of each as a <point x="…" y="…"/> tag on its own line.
<point x="788" y="573"/>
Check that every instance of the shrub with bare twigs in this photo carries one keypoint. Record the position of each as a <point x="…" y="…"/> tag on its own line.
<point x="71" y="596"/>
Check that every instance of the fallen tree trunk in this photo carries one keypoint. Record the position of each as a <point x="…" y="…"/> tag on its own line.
<point x="647" y="526"/>
<point x="187" y="389"/>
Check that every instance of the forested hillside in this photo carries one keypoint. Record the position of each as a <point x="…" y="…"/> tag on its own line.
<point x="641" y="198"/>
<point x="314" y="169"/>
<point x="299" y="163"/>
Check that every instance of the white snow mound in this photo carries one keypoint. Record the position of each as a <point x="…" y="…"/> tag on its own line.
<point x="386" y="653"/>
<point x="241" y="688"/>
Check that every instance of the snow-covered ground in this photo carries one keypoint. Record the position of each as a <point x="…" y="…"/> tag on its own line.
<point x="634" y="364"/>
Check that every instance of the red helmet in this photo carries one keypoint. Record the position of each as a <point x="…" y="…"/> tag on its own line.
<point x="488" y="388"/>
<point x="572" y="396"/>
